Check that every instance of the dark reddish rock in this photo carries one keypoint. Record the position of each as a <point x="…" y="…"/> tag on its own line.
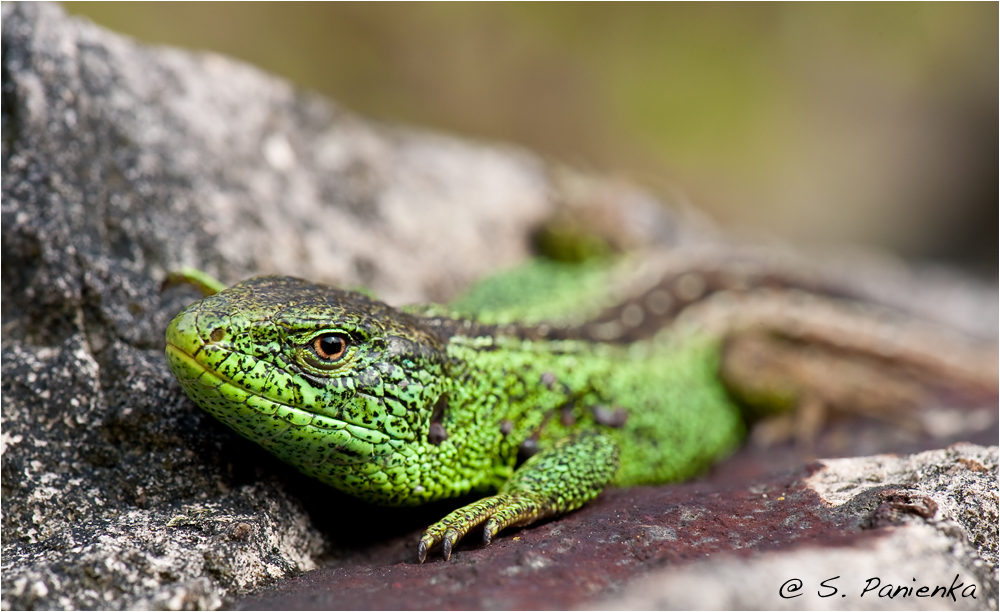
<point x="568" y="562"/>
<point x="598" y="551"/>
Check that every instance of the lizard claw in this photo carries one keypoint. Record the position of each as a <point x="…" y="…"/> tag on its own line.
<point x="450" y="537"/>
<point x="491" y="529"/>
<point x="498" y="512"/>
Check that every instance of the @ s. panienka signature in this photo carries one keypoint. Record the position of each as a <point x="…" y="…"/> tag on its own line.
<point x="875" y="587"/>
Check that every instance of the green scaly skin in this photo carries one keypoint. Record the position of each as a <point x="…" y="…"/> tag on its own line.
<point x="428" y="404"/>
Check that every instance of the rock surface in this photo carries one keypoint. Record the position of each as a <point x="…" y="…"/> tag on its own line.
<point x="123" y="162"/>
<point x="928" y="520"/>
<point x="722" y="543"/>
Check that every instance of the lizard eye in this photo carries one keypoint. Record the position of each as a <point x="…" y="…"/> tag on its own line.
<point x="330" y="347"/>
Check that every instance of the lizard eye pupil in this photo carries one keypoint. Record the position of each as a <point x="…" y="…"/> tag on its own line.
<point x="329" y="347"/>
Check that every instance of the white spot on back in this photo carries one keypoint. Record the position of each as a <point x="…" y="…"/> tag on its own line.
<point x="659" y="301"/>
<point x="606" y="331"/>
<point x="632" y="315"/>
<point x="690" y="286"/>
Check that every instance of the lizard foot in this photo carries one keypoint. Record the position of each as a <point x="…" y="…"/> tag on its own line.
<point x="555" y="481"/>
<point x="498" y="512"/>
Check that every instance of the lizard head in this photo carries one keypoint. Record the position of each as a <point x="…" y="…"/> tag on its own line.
<point x="338" y="385"/>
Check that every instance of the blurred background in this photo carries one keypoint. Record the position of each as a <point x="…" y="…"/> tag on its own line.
<point x="869" y="124"/>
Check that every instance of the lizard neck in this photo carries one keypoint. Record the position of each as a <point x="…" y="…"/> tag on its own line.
<point x="503" y="398"/>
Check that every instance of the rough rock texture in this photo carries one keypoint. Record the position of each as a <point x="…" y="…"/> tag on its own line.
<point x="123" y="162"/>
<point x="936" y="518"/>
<point x="956" y="478"/>
<point x="726" y="542"/>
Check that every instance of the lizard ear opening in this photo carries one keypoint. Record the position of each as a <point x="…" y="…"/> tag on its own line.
<point x="437" y="434"/>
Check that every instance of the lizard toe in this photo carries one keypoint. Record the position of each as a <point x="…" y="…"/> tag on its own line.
<point x="452" y="528"/>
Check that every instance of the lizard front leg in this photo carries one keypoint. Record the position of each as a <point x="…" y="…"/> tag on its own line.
<point x="555" y="481"/>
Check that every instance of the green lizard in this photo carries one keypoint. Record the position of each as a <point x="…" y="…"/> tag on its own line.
<point x="543" y="387"/>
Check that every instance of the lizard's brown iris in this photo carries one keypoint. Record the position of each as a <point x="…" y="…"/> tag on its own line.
<point x="329" y="347"/>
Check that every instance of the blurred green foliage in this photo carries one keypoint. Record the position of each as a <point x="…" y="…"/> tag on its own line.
<point x="869" y="122"/>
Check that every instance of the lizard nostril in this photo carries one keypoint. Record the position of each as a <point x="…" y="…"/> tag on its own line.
<point x="217" y="334"/>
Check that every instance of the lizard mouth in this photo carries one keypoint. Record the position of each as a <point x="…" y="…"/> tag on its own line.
<point x="254" y="416"/>
<point x="345" y="456"/>
<point x="265" y="420"/>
